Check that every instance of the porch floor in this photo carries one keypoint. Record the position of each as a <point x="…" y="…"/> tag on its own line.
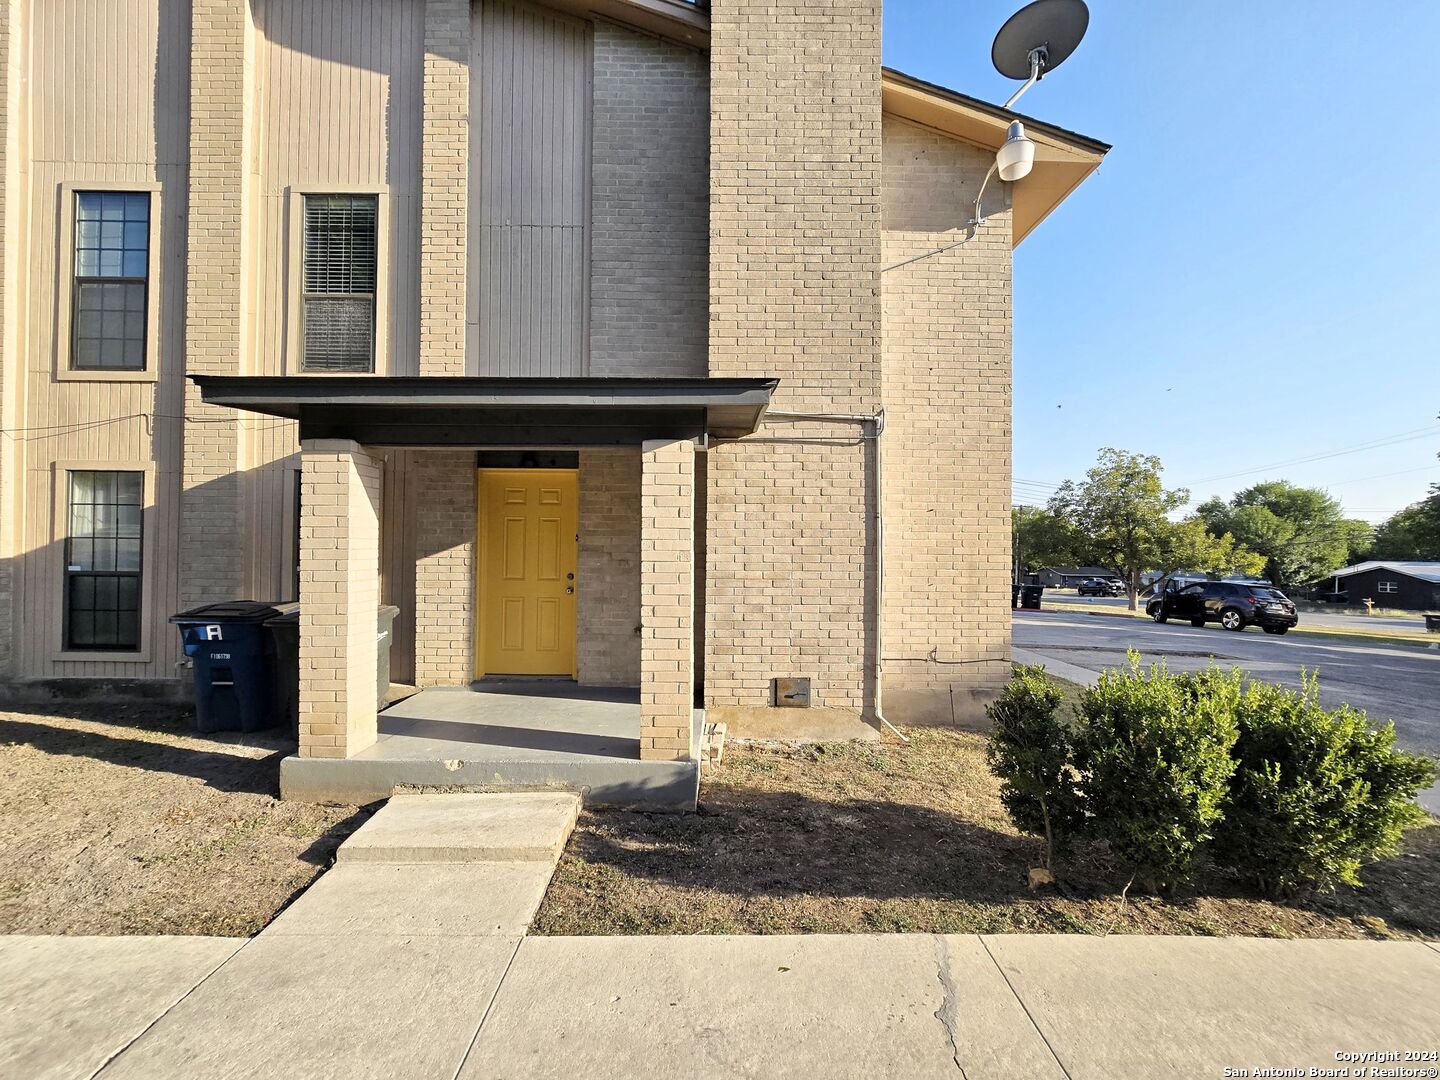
<point x="504" y="735"/>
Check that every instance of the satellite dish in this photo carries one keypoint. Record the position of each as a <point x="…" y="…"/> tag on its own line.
<point x="1039" y="37"/>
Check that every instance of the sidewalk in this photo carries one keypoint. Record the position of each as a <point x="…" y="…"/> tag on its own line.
<point x="409" y="959"/>
<point x="442" y="1003"/>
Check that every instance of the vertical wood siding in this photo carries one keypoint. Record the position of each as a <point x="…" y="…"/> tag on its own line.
<point x="529" y="192"/>
<point x="107" y="104"/>
<point x="340" y="85"/>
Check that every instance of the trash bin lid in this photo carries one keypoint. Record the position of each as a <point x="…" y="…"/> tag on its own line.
<point x="235" y="611"/>
<point x="289" y="613"/>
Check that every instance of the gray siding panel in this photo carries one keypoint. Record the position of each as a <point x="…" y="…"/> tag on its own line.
<point x="529" y="192"/>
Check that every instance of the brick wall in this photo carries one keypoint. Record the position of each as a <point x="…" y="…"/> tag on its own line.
<point x="794" y="293"/>
<point x="221" y="58"/>
<point x="443" y="485"/>
<point x="947" y="323"/>
<point x="444" y="171"/>
<point x="649" y="206"/>
<point x="667" y="601"/>
<point x="608" y="609"/>
<point x="339" y="591"/>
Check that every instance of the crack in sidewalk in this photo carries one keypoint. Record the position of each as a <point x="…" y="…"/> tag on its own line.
<point x="949" y="1011"/>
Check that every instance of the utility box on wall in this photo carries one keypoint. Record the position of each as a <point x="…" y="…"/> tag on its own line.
<point x="791" y="693"/>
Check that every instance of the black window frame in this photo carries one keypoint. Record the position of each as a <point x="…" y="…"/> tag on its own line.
<point x="311" y="276"/>
<point x="133" y="642"/>
<point x="80" y="282"/>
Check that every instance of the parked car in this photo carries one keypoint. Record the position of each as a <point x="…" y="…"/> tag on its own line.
<point x="1233" y="604"/>
<point x="1100" y="586"/>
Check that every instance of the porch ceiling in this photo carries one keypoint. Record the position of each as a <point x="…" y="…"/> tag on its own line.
<point x="478" y="412"/>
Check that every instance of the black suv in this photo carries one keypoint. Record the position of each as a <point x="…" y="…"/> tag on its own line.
<point x="1233" y="604"/>
<point x="1100" y="586"/>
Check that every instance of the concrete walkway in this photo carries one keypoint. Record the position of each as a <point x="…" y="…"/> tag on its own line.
<point x="409" y="959"/>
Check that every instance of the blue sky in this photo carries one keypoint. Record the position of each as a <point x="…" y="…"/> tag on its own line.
<point x="1253" y="276"/>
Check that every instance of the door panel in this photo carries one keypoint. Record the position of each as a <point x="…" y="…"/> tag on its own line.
<point x="527" y="523"/>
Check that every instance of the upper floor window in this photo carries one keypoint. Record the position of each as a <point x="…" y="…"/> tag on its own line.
<point x="112" y="270"/>
<point x="338" y="316"/>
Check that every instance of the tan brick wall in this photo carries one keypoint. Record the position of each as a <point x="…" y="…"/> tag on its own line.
<point x="947" y="375"/>
<point x="212" y="503"/>
<point x="667" y="600"/>
<point x="443" y="485"/>
<point x="444" y="169"/>
<point x="339" y="592"/>
<point x="649" y="206"/>
<point x="794" y="293"/>
<point x="608" y="609"/>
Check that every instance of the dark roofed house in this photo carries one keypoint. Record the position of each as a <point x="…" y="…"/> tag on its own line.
<point x="1067" y="577"/>
<point x="1412" y="586"/>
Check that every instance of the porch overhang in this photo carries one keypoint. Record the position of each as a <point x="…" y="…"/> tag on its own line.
<point x="497" y="412"/>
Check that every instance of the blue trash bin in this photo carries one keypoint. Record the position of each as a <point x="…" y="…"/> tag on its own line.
<point x="234" y="659"/>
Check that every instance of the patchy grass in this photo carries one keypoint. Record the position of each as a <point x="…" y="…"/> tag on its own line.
<point x="121" y="819"/>
<point x="860" y="838"/>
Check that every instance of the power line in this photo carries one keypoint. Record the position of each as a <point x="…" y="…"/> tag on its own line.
<point x="1411" y="436"/>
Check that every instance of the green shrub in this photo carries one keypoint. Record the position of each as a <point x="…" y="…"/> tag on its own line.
<point x="1316" y="793"/>
<point x="1030" y="751"/>
<point x="1153" y="750"/>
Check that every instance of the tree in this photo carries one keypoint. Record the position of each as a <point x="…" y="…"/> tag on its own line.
<point x="1412" y="533"/>
<point x="1191" y="546"/>
<point x="1041" y="539"/>
<point x="1299" y="530"/>
<point x="1122" y="511"/>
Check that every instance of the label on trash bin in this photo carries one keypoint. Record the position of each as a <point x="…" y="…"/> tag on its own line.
<point x="212" y="632"/>
<point x="219" y="656"/>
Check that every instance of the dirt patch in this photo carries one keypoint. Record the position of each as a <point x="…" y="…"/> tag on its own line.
<point x="861" y="838"/>
<point x="120" y="819"/>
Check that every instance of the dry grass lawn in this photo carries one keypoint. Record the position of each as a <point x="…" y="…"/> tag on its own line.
<point x="851" y="838"/>
<point x="120" y="819"/>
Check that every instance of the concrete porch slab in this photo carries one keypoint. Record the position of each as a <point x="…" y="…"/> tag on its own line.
<point x="465" y="827"/>
<point x="339" y="1008"/>
<point x="435" y="900"/>
<point x="69" y="1004"/>
<point x="514" y="735"/>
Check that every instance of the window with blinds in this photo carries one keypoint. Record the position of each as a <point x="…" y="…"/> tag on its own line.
<point x="338" y="304"/>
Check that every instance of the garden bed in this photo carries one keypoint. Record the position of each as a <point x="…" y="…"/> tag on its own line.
<point x="120" y="819"/>
<point x="862" y="838"/>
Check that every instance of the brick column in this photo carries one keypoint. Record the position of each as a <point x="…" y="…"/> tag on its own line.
<point x="444" y="484"/>
<point x="667" y="600"/>
<point x="339" y="594"/>
<point x="443" y="191"/>
<point x="221" y="57"/>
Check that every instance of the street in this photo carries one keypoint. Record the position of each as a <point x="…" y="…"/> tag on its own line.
<point x="1335" y="619"/>
<point x="1390" y="682"/>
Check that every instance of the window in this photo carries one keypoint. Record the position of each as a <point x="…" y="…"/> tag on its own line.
<point x="1389" y="586"/>
<point x="102" y="560"/>
<point x="112" y="269"/>
<point x="338" y="303"/>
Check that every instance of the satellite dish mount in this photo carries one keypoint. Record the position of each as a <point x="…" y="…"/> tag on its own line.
<point x="1037" y="39"/>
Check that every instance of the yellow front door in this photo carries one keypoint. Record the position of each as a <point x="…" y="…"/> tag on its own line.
<point x="526" y="573"/>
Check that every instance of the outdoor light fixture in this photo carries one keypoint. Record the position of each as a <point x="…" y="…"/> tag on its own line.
<point x="1017" y="157"/>
<point x="1034" y="41"/>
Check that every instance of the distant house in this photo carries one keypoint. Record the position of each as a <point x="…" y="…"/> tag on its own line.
<point x="1067" y="577"/>
<point x="1414" y="586"/>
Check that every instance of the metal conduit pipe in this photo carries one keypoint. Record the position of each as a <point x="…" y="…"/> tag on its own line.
<point x="874" y="428"/>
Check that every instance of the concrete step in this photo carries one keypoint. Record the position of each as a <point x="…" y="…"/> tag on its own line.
<point x="466" y="827"/>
